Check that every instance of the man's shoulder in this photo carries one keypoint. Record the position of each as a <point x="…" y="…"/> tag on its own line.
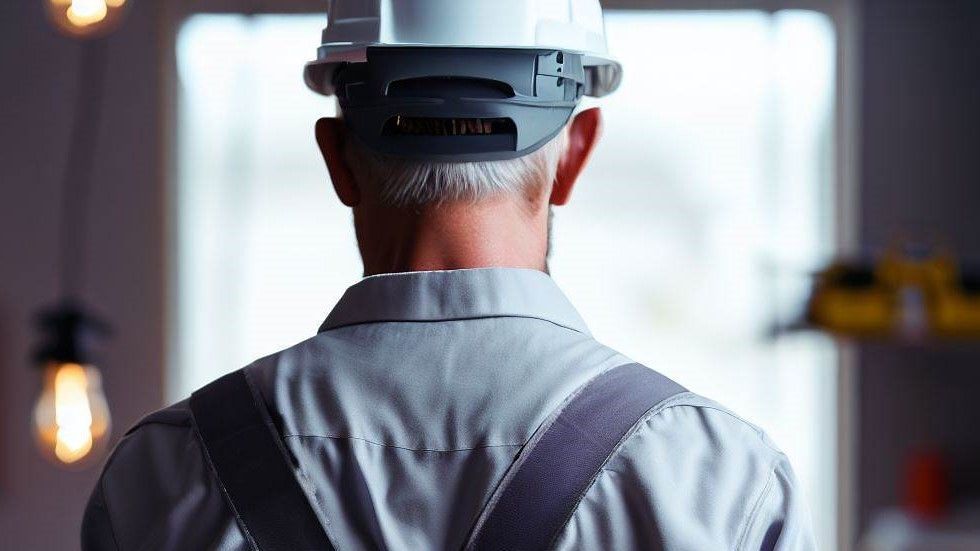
<point x="704" y="477"/>
<point x="156" y="479"/>
<point x="176" y="415"/>
<point x="688" y="414"/>
<point x="687" y="419"/>
<point x="691" y="433"/>
<point x="177" y="418"/>
<point x="157" y="442"/>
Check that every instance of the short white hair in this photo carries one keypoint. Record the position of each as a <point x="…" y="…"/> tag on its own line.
<point x="411" y="183"/>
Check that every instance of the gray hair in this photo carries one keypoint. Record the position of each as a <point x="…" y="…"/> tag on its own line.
<point x="411" y="183"/>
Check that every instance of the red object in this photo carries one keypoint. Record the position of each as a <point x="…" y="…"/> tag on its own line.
<point x="927" y="485"/>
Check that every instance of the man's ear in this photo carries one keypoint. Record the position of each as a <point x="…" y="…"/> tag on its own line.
<point x="331" y="135"/>
<point x="583" y="134"/>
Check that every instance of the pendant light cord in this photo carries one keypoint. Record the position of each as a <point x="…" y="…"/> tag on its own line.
<point x="76" y="183"/>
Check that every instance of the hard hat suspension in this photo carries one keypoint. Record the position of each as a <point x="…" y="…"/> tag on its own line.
<point x="459" y="104"/>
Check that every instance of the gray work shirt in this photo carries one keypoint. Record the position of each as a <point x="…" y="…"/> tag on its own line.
<point x="406" y="410"/>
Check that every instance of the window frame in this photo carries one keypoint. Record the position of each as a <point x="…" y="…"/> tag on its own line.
<point x="844" y="14"/>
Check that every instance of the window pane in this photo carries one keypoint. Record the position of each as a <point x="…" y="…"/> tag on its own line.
<point x="710" y="189"/>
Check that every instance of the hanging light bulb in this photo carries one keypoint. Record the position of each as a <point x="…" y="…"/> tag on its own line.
<point x="85" y="17"/>
<point x="87" y="12"/>
<point x="71" y="416"/>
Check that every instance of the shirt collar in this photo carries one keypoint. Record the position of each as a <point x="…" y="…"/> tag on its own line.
<point x="454" y="295"/>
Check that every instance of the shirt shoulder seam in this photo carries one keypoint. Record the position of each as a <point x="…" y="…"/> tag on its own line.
<point x="108" y="513"/>
<point x="168" y="419"/>
<point x="752" y="517"/>
<point x="151" y="419"/>
<point x="678" y="402"/>
<point x="102" y="487"/>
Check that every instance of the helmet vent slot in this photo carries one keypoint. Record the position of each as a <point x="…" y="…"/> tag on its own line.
<point x="427" y="126"/>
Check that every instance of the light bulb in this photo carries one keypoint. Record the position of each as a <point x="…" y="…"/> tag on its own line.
<point x="85" y="17"/>
<point x="87" y="12"/>
<point x="71" y="417"/>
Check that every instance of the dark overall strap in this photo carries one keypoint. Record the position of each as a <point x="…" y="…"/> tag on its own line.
<point x="554" y="470"/>
<point x="253" y="467"/>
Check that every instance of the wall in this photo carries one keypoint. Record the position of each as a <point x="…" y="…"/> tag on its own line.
<point x="921" y="173"/>
<point x="40" y="506"/>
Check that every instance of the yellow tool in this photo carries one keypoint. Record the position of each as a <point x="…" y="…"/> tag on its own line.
<point x="901" y="295"/>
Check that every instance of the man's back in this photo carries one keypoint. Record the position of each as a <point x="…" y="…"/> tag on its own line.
<point x="408" y="407"/>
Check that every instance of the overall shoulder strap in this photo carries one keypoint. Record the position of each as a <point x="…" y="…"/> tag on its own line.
<point x="558" y="465"/>
<point x="253" y="467"/>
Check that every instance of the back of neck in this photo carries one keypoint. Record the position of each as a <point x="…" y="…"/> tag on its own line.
<point x="452" y="236"/>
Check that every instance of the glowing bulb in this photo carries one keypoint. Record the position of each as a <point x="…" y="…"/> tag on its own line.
<point x="71" y="418"/>
<point x="85" y="17"/>
<point x="87" y="12"/>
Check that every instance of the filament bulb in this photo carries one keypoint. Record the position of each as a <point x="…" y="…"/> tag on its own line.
<point x="87" y="12"/>
<point x="85" y="17"/>
<point x="71" y="418"/>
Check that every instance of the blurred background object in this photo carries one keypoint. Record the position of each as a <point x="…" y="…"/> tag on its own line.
<point x="71" y="417"/>
<point x="84" y="18"/>
<point x="928" y="520"/>
<point x="748" y="134"/>
<point x="910" y="296"/>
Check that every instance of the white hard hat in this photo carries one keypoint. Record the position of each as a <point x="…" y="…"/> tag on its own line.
<point x="573" y="26"/>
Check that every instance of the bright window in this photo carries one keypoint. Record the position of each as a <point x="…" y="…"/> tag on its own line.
<point x="712" y="183"/>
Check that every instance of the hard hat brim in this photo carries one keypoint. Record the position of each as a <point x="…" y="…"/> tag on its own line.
<point x="604" y="73"/>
